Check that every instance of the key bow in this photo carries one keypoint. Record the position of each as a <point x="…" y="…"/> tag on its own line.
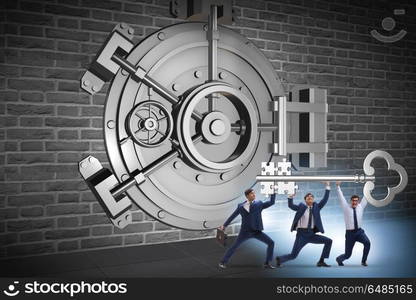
<point x="391" y="165"/>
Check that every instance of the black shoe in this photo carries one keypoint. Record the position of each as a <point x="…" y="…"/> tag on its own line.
<point x="269" y="266"/>
<point x="277" y="261"/>
<point x="339" y="262"/>
<point x="222" y="265"/>
<point x="364" y="264"/>
<point x="322" y="264"/>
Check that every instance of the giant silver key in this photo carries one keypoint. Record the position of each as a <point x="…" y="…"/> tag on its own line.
<point x="280" y="180"/>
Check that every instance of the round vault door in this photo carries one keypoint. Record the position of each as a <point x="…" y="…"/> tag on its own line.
<point x="213" y="125"/>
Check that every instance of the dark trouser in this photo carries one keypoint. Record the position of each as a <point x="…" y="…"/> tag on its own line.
<point x="304" y="237"/>
<point x="352" y="236"/>
<point x="245" y="235"/>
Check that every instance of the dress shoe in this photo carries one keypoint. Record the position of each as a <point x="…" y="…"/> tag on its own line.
<point x="269" y="266"/>
<point x="277" y="261"/>
<point x="364" y="264"/>
<point x="222" y="265"/>
<point x="322" y="264"/>
<point x="340" y="263"/>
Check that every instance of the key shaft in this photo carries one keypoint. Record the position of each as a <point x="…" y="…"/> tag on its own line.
<point x="297" y="178"/>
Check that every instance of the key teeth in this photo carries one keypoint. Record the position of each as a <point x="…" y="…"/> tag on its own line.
<point x="283" y="167"/>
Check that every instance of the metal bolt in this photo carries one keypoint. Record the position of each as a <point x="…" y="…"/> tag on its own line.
<point x="176" y="87"/>
<point x="94" y="88"/>
<point x="222" y="75"/>
<point x="123" y="25"/>
<point x="205" y="27"/>
<point x="124" y="177"/>
<point x="124" y="72"/>
<point x="130" y="30"/>
<point x="128" y="218"/>
<point x="111" y="124"/>
<point x="197" y="74"/>
<point x="161" y="36"/>
<point x="205" y="224"/>
<point x="86" y="83"/>
<point x="177" y="164"/>
<point x="161" y="214"/>
<point x="223" y="176"/>
<point x="199" y="177"/>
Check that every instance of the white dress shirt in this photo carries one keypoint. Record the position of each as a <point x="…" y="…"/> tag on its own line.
<point x="349" y="211"/>
<point x="247" y="205"/>
<point x="303" y="221"/>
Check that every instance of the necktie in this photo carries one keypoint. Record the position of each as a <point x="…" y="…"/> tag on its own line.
<point x="355" y="219"/>
<point x="310" y="219"/>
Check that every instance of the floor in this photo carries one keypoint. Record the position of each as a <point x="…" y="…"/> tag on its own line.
<point x="391" y="255"/>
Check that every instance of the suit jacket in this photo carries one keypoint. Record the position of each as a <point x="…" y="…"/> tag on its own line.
<point x="316" y="212"/>
<point x="251" y="220"/>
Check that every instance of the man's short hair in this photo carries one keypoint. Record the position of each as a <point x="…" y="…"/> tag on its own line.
<point x="354" y="196"/>
<point x="308" y="194"/>
<point x="248" y="191"/>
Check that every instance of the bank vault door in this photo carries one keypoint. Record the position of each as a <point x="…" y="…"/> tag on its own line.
<point x="191" y="113"/>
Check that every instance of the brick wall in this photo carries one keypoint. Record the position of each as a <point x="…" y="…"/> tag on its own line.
<point x="48" y="124"/>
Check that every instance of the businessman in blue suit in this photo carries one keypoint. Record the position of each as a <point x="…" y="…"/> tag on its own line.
<point x="307" y="223"/>
<point x="251" y="226"/>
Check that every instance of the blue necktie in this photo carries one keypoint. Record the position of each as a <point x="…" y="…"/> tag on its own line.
<point x="355" y="219"/>
<point x="310" y="219"/>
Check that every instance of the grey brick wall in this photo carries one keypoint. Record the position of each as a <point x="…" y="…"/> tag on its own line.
<point x="48" y="124"/>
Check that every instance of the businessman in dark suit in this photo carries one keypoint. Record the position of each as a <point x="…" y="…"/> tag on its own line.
<point x="251" y="226"/>
<point x="307" y="223"/>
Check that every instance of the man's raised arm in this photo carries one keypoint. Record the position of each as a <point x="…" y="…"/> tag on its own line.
<point x="290" y="203"/>
<point x="270" y="202"/>
<point x="363" y="202"/>
<point x="324" y="200"/>
<point x="340" y="194"/>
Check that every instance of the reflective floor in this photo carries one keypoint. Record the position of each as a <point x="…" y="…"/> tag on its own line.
<point x="391" y="255"/>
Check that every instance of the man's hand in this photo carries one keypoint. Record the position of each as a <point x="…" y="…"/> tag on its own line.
<point x="338" y="183"/>
<point x="221" y="228"/>
<point x="292" y="196"/>
<point x="326" y="182"/>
